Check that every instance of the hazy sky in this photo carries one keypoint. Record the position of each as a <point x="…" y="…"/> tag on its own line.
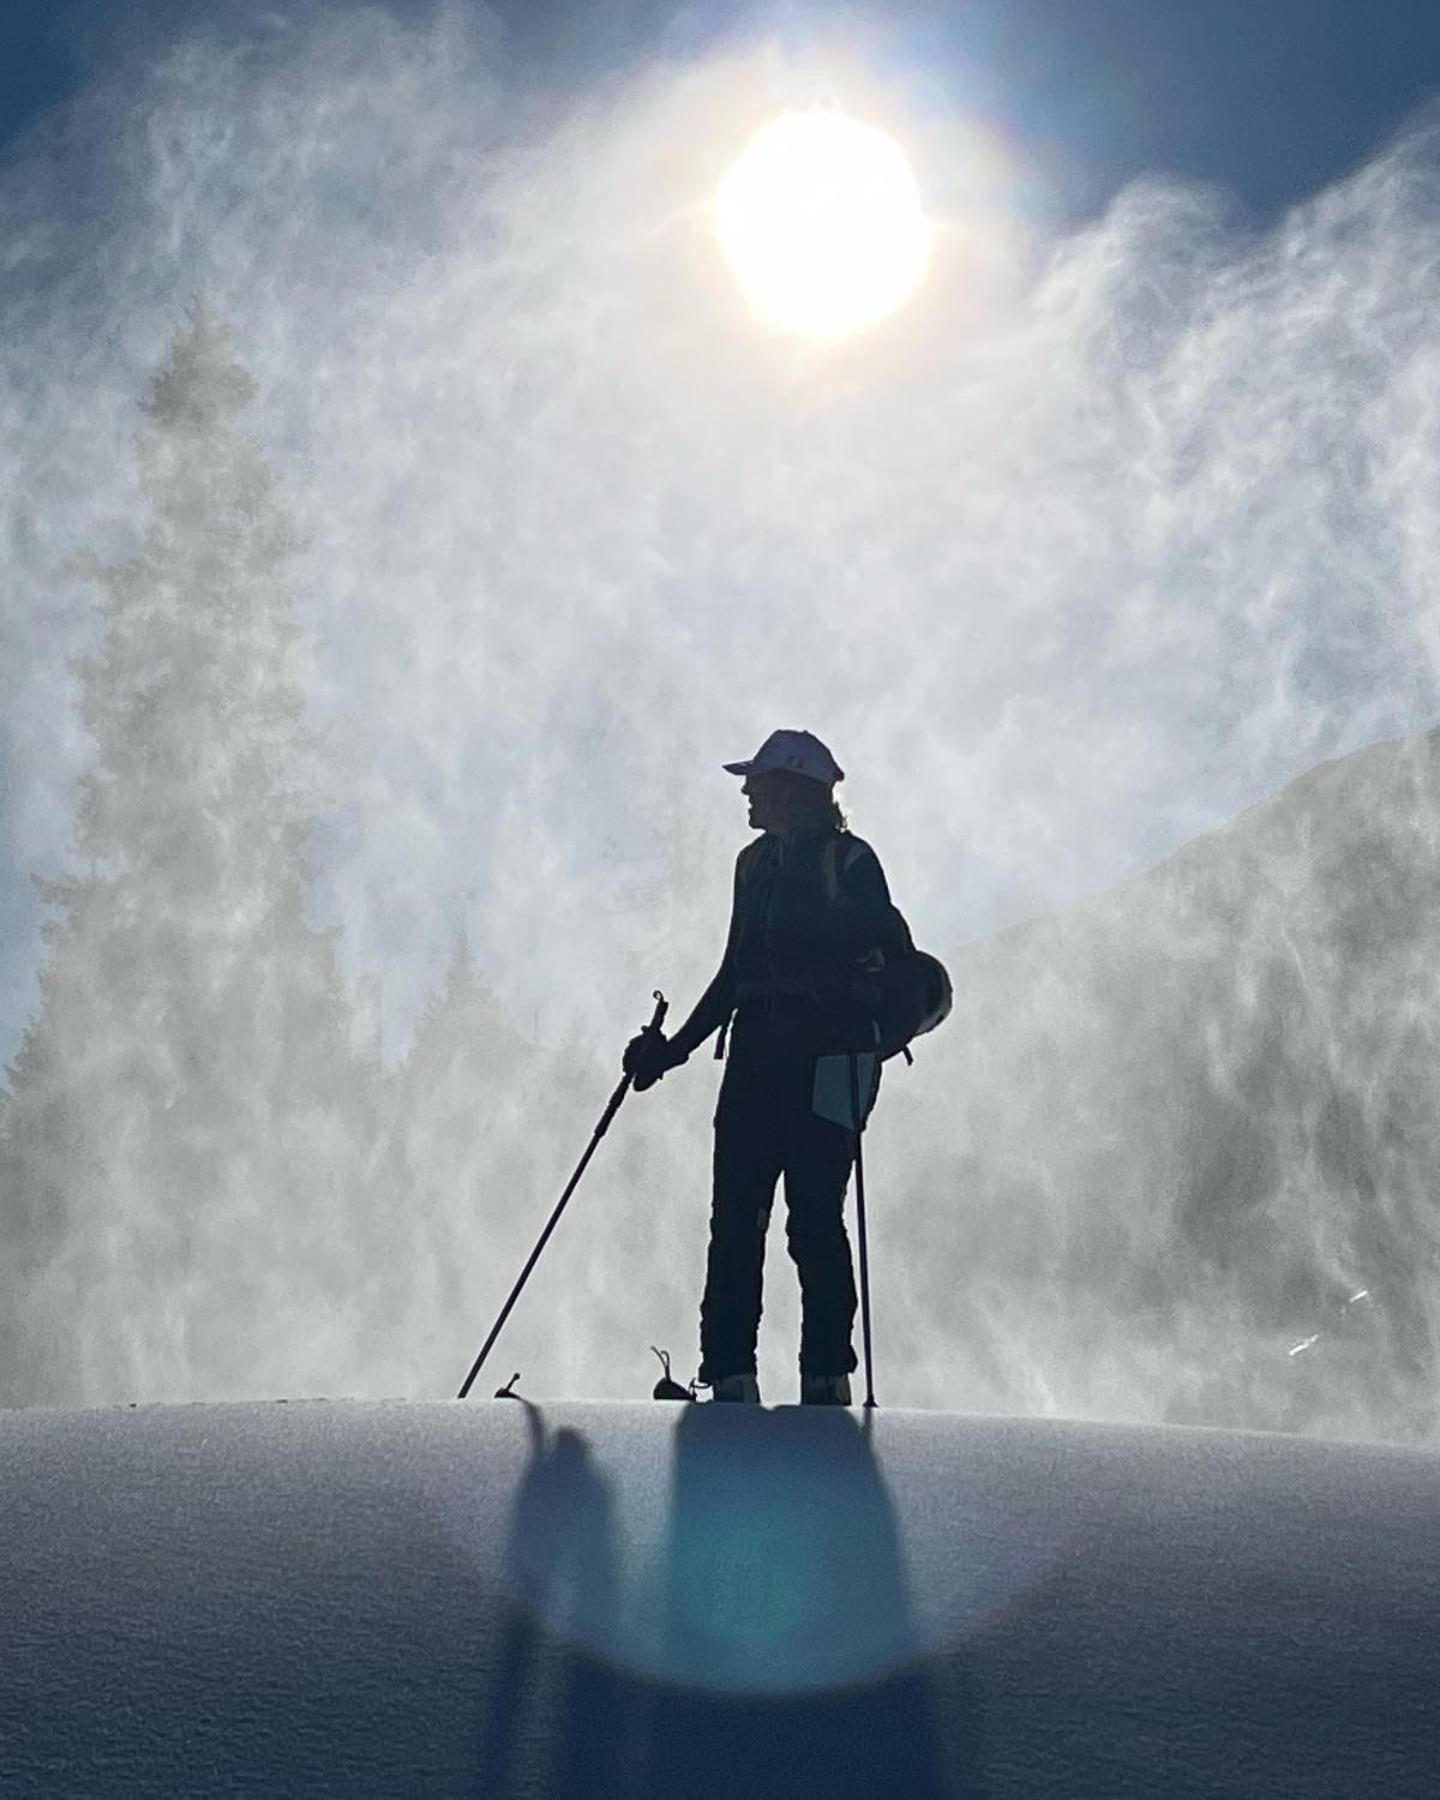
<point x="1128" y="518"/>
<point x="1271" y="99"/>
<point x="1120" y="525"/>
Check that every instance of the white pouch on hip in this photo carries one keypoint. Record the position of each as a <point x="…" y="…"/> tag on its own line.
<point x="833" y="1096"/>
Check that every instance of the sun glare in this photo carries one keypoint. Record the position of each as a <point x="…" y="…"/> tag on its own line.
<point x="821" y="218"/>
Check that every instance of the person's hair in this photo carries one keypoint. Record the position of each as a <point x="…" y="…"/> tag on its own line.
<point x="815" y="798"/>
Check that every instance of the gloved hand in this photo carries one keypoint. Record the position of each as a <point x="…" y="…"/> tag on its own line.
<point x="647" y="1056"/>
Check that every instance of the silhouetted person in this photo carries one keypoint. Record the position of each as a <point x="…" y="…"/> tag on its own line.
<point x="811" y="927"/>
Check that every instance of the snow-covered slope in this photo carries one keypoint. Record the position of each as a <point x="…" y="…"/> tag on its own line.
<point x="663" y="1601"/>
<point x="1179" y="1132"/>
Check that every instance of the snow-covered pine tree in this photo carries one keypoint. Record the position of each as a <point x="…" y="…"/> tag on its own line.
<point x="186" y="1134"/>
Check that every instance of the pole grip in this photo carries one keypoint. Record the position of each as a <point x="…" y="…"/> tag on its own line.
<point x="657" y="1019"/>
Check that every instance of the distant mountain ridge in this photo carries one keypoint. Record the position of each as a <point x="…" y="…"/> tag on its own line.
<point x="1199" y="1120"/>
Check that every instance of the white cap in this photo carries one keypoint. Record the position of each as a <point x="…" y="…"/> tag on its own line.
<point x="798" y="752"/>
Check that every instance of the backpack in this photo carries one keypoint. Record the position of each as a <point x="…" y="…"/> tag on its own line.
<point x="910" y="996"/>
<point x="914" y="997"/>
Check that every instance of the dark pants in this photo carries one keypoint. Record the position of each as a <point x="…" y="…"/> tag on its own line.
<point x="765" y="1128"/>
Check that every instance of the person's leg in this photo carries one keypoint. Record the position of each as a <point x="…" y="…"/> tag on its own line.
<point x="748" y="1148"/>
<point x="818" y="1159"/>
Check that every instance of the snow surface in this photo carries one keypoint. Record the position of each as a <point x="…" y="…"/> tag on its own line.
<point x="645" y="1600"/>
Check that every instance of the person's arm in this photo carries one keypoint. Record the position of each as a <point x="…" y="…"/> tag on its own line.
<point x="877" y="922"/>
<point x="717" y="1003"/>
<point x="648" y="1056"/>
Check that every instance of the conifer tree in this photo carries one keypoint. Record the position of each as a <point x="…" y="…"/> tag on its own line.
<point x="185" y="1137"/>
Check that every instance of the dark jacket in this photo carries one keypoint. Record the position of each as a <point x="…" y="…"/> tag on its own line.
<point x="811" y="919"/>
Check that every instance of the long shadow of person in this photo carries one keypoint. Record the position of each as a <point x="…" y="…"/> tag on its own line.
<point x="551" y="1715"/>
<point x="794" y="1664"/>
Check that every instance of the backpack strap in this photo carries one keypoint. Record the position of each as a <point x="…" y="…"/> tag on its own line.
<point x="840" y="855"/>
<point x="830" y="869"/>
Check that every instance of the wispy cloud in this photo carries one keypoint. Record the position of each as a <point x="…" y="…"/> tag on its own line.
<point x="1102" y="539"/>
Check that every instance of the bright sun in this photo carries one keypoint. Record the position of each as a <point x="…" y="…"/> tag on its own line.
<point x="822" y="220"/>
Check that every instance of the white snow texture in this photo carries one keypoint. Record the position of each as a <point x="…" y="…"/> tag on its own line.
<point x="506" y="1599"/>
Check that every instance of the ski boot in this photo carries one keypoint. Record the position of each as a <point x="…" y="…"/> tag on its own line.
<point x="744" y="1388"/>
<point x="825" y="1390"/>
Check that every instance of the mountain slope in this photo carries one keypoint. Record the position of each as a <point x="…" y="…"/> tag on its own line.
<point x="1191" y="1128"/>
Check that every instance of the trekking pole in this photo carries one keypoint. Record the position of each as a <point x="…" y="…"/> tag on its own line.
<point x="657" y="1020"/>
<point x="859" y="1124"/>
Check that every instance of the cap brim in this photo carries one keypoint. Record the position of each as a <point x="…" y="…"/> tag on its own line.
<point x="744" y="768"/>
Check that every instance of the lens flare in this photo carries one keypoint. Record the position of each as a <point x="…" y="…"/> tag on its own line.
<point x="821" y="219"/>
